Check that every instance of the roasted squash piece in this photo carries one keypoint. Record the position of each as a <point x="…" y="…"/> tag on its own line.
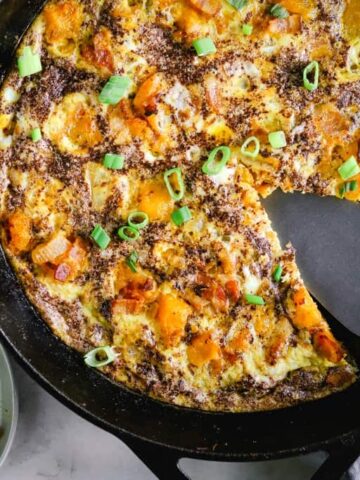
<point x="147" y="94"/>
<point x="82" y="129"/>
<point x="155" y="200"/>
<point x="98" y="51"/>
<point x="19" y="226"/>
<point x="62" y="21"/>
<point x="203" y="349"/>
<point x="171" y="317"/>
<point x="307" y="314"/>
<point x="326" y="345"/>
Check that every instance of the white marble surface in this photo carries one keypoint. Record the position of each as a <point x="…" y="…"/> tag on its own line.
<point x="54" y="443"/>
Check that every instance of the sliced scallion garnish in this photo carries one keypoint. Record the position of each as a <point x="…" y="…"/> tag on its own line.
<point x="100" y="237"/>
<point x="212" y="166"/>
<point x="349" y="168"/>
<point x="181" y="216"/>
<point x="254" y="299"/>
<point x="277" y="273"/>
<point x="114" y="90"/>
<point x="253" y="153"/>
<point x="238" y="4"/>
<point x="113" y="161"/>
<point x="279" y="11"/>
<point x="348" y="187"/>
<point x="138" y="220"/>
<point x="176" y="193"/>
<point x="36" y="134"/>
<point x="131" y="261"/>
<point x="128" y="233"/>
<point x="29" y="63"/>
<point x="100" y="356"/>
<point x="277" y="139"/>
<point x="314" y="70"/>
<point x="204" y="46"/>
<point x="247" y="29"/>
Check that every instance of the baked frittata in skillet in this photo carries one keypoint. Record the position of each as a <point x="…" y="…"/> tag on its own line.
<point x="136" y="137"/>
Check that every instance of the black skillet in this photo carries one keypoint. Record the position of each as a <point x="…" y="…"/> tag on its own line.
<point x="161" y="434"/>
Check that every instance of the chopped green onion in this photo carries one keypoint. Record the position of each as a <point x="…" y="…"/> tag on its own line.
<point x="128" y="233"/>
<point x="100" y="237"/>
<point x="279" y="11"/>
<point x="179" y="193"/>
<point x="36" y="134"/>
<point x="277" y="273"/>
<point x="131" y="261"/>
<point x="29" y="63"/>
<point x="204" y="46"/>
<point x="212" y="166"/>
<point x="312" y="68"/>
<point x="113" y="91"/>
<point x="181" y="216"/>
<point x="277" y="139"/>
<point x="100" y="356"/>
<point x="250" y="153"/>
<point x="254" y="299"/>
<point x="238" y="4"/>
<point x="348" y="187"/>
<point x="113" y="161"/>
<point x="247" y="29"/>
<point x="353" y="185"/>
<point x="349" y="168"/>
<point x="138" y="220"/>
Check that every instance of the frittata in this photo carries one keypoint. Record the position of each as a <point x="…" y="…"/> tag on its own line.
<point x="135" y="139"/>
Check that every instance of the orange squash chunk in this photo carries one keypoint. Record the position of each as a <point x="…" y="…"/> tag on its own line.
<point x="208" y="7"/>
<point x="98" y="52"/>
<point x="154" y="199"/>
<point x="19" y="226"/>
<point x="171" y="317"/>
<point x="326" y="345"/>
<point x="62" y="21"/>
<point x="202" y="350"/>
<point x="146" y="97"/>
<point x="307" y="314"/>
<point x="82" y="129"/>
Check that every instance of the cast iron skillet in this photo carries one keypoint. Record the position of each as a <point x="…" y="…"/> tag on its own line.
<point x="161" y="434"/>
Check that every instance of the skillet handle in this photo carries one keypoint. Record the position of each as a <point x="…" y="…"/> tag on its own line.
<point x="162" y="461"/>
<point x="341" y="457"/>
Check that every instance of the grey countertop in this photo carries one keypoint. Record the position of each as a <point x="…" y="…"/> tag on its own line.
<point x="52" y="442"/>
